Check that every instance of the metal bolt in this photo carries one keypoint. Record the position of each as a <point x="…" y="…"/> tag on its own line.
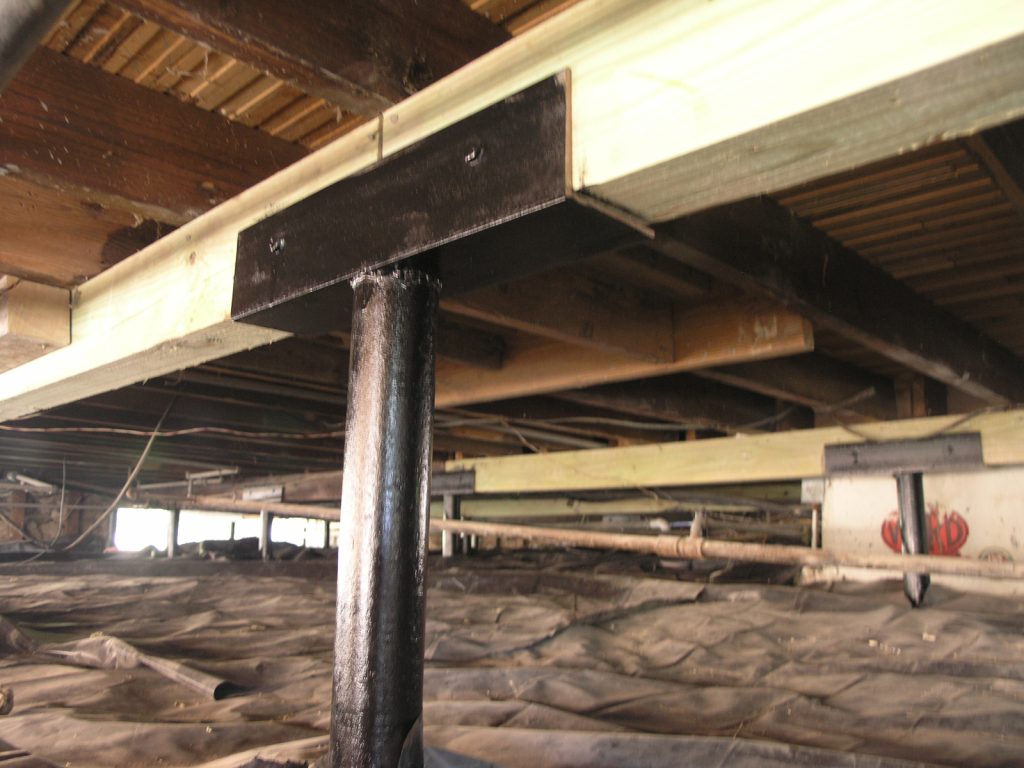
<point x="474" y="155"/>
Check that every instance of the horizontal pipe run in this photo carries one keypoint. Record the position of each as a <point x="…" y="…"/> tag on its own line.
<point x="697" y="548"/>
<point x="663" y="545"/>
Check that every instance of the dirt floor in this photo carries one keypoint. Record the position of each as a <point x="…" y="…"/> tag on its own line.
<point x="539" y="660"/>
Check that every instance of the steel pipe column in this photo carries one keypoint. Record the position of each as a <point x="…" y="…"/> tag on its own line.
<point x="382" y="537"/>
<point x="913" y="530"/>
<point x="23" y="24"/>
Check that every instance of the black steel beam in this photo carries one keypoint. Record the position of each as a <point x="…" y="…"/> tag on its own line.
<point x="483" y="201"/>
<point x="945" y="453"/>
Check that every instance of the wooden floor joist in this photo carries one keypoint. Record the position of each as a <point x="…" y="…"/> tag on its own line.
<point x="763" y="248"/>
<point x="704" y="336"/>
<point x="676" y="106"/>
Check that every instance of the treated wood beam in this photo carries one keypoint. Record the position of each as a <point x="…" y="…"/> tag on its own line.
<point x="762" y="248"/>
<point x="682" y="399"/>
<point x="815" y="381"/>
<point x="363" y="55"/>
<point x="570" y="306"/>
<point x="703" y="336"/>
<point x="637" y="141"/>
<point x="34" y="319"/>
<point x="750" y="458"/>
<point x="105" y="141"/>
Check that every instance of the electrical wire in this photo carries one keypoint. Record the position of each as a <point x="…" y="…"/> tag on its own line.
<point x="117" y="499"/>
<point x="175" y="432"/>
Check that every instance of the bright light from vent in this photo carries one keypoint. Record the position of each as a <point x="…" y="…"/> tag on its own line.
<point x="136" y="529"/>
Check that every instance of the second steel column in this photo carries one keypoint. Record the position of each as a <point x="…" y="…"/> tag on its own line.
<point x="382" y="538"/>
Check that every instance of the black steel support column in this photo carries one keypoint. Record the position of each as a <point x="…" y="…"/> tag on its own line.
<point x="23" y="24"/>
<point x="173" y="523"/>
<point x="382" y="539"/>
<point x="914" y="531"/>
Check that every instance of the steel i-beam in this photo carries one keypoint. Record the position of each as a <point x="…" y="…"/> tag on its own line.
<point x="382" y="538"/>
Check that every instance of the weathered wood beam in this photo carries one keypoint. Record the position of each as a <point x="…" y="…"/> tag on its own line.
<point x="550" y="412"/>
<point x="52" y="237"/>
<point x="638" y="141"/>
<point x="750" y="458"/>
<point x="362" y="55"/>
<point x="649" y="270"/>
<point x="764" y="249"/>
<point x="703" y="336"/>
<point x="105" y="141"/>
<point x="34" y="319"/>
<point x="816" y="381"/>
<point x="458" y="343"/>
<point x="568" y="305"/>
<point x="303" y="361"/>
<point x="683" y="399"/>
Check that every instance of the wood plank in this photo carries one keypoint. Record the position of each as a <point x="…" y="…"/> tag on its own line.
<point x="819" y="382"/>
<point x="567" y="305"/>
<point x="128" y="319"/>
<point x="760" y="247"/>
<point x="70" y="126"/>
<point x="34" y="320"/>
<point x="457" y="343"/>
<point x="761" y="458"/>
<point x="703" y="337"/>
<point x="363" y="55"/>
<point x="683" y="399"/>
